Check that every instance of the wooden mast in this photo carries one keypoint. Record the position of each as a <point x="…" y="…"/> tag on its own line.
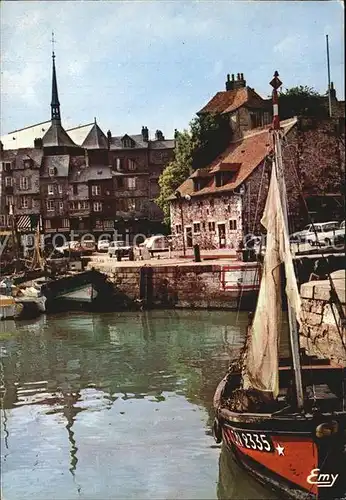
<point x="278" y="165"/>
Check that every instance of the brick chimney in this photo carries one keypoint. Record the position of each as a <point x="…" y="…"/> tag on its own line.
<point x="109" y="139"/>
<point x="232" y="84"/>
<point x="159" y="135"/>
<point x="38" y="143"/>
<point x="145" y="134"/>
<point x="332" y="91"/>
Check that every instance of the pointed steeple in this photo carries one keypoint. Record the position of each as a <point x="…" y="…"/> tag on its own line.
<point x="56" y="135"/>
<point x="55" y="104"/>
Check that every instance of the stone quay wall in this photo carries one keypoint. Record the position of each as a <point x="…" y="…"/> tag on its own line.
<point x="322" y="333"/>
<point x="177" y="286"/>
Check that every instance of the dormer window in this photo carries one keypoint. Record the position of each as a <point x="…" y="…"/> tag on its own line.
<point x="223" y="178"/>
<point x="127" y="142"/>
<point x="52" y="171"/>
<point x="200" y="183"/>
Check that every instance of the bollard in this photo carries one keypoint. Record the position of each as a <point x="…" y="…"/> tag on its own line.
<point x="197" y="253"/>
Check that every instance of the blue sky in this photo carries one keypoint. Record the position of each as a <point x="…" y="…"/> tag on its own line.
<point x="156" y="63"/>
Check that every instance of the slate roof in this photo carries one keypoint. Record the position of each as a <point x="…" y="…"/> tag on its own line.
<point x="246" y="154"/>
<point x="139" y="143"/>
<point x="166" y="144"/>
<point x="230" y="100"/>
<point x="95" y="139"/>
<point x="60" y="162"/>
<point x="28" y="153"/>
<point x="95" y="173"/>
<point x="57" y="136"/>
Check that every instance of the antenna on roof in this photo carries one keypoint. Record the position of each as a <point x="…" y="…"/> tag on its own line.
<point x="328" y="69"/>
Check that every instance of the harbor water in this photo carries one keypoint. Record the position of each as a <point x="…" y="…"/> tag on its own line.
<point x="117" y="406"/>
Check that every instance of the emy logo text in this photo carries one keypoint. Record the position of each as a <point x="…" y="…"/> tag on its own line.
<point x="322" y="480"/>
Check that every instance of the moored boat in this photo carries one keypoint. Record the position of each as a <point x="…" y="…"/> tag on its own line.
<point x="285" y="424"/>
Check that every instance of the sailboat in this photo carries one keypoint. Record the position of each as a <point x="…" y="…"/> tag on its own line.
<point x="283" y="420"/>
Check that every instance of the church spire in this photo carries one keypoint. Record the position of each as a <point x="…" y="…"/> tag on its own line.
<point x="55" y="104"/>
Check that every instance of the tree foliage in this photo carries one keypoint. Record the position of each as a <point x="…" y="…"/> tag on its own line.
<point x="176" y="171"/>
<point x="302" y="100"/>
<point x="207" y="137"/>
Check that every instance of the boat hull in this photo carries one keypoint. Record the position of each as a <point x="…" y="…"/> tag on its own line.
<point x="285" y="454"/>
<point x="287" y="450"/>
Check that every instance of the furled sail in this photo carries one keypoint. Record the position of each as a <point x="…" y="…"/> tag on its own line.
<point x="260" y="370"/>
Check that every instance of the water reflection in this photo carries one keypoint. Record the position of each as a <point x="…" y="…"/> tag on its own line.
<point x="130" y="392"/>
<point x="235" y="484"/>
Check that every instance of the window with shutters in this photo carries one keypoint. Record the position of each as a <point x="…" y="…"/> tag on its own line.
<point x="59" y="188"/>
<point x="196" y="227"/>
<point x="9" y="200"/>
<point x="51" y="171"/>
<point x="96" y="190"/>
<point x="178" y="228"/>
<point x="8" y="181"/>
<point x="131" y="183"/>
<point x="97" y="206"/>
<point x="131" y="165"/>
<point x="61" y="206"/>
<point x="6" y="166"/>
<point x="65" y="223"/>
<point x="50" y="205"/>
<point x="211" y="227"/>
<point x="24" y="202"/>
<point x="24" y="183"/>
<point x="50" y="188"/>
<point x="118" y="164"/>
<point x="131" y="204"/>
<point x="232" y="225"/>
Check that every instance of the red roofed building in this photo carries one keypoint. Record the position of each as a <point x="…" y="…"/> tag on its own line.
<point x="245" y="108"/>
<point x="222" y="204"/>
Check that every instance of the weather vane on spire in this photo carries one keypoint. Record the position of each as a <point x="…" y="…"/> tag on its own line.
<point x="53" y="42"/>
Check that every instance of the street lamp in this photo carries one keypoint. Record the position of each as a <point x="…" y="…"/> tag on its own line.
<point x="180" y="199"/>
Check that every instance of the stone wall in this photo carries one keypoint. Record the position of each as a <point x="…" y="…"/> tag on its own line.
<point x="320" y="334"/>
<point x="188" y="286"/>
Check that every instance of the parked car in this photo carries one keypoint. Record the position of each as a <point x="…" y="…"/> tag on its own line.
<point x="119" y="248"/>
<point x="87" y="245"/>
<point x="103" y="245"/>
<point x="69" y="246"/>
<point x="308" y="233"/>
<point x="336" y="236"/>
<point x="158" y="243"/>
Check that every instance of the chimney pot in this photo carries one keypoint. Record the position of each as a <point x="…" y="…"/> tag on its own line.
<point x="228" y="77"/>
<point x="38" y="143"/>
<point x="145" y="134"/>
<point x="238" y="76"/>
<point x="242" y="76"/>
<point x="233" y="77"/>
